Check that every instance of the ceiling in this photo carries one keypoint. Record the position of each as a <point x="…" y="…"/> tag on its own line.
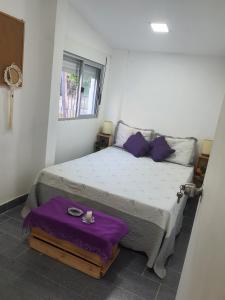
<point x="196" y="26"/>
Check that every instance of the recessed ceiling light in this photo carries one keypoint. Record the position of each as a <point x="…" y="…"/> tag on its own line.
<point x="160" y="27"/>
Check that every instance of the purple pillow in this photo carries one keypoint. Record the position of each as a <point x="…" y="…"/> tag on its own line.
<point x="159" y="149"/>
<point x="137" y="145"/>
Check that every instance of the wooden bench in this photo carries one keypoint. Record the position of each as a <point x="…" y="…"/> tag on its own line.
<point x="69" y="254"/>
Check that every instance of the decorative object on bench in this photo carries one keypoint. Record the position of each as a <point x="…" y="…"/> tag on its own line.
<point x="90" y="248"/>
<point x="88" y="218"/>
<point x="76" y="212"/>
<point x="13" y="78"/>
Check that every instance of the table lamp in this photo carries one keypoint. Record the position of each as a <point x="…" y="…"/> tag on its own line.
<point x="107" y="127"/>
<point x="206" y="147"/>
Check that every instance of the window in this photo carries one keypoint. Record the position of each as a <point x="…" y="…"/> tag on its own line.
<point x="80" y="88"/>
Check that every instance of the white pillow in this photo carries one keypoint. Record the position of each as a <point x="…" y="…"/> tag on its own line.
<point x="124" y="131"/>
<point x="185" y="150"/>
<point x="122" y="134"/>
<point x="147" y="133"/>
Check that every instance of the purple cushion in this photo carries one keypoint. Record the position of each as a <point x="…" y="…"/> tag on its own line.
<point x="159" y="149"/>
<point x="137" y="145"/>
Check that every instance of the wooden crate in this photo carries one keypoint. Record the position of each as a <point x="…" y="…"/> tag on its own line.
<point x="69" y="254"/>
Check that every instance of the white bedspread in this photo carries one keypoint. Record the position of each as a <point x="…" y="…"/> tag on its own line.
<point x="137" y="186"/>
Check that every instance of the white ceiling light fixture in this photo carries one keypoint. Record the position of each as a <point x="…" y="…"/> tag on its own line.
<point x="159" y="27"/>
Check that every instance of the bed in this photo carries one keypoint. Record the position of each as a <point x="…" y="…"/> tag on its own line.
<point x="138" y="190"/>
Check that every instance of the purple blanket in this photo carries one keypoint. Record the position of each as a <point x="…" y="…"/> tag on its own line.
<point x="99" y="237"/>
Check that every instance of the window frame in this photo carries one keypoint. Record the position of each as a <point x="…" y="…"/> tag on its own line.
<point x="67" y="56"/>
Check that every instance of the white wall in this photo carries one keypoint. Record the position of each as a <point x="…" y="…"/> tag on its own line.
<point x="59" y="41"/>
<point x="22" y="150"/>
<point x="204" y="268"/>
<point x="174" y="94"/>
<point x="75" y="138"/>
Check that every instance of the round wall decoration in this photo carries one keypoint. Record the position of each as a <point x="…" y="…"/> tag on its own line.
<point x="13" y="78"/>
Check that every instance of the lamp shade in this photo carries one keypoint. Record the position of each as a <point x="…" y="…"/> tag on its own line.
<point x="107" y="127"/>
<point x="206" y="147"/>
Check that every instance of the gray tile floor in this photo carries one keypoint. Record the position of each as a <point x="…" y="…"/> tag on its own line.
<point x="28" y="275"/>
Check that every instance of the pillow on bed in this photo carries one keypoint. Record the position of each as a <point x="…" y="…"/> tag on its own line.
<point x="124" y="131"/>
<point x="185" y="150"/>
<point x="159" y="149"/>
<point x="137" y="145"/>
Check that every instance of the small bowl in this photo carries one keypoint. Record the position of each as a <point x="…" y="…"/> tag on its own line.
<point x="75" y="212"/>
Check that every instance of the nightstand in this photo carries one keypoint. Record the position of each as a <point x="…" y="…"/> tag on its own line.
<point x="200" y="169"/>
<point x="103" y="141"/>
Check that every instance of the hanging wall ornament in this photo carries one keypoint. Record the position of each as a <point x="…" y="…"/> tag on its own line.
<point x="13" y="78"/>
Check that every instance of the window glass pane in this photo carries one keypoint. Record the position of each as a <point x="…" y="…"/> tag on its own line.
<point x="89" y="90"/>
<point x="69" y="89"/>
<point x="79" y="87"/>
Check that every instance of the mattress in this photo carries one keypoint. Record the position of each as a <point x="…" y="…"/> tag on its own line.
<point x="136" y="186"/>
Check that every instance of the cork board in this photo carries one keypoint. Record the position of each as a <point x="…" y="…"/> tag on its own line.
<point x="11" y="43"/>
